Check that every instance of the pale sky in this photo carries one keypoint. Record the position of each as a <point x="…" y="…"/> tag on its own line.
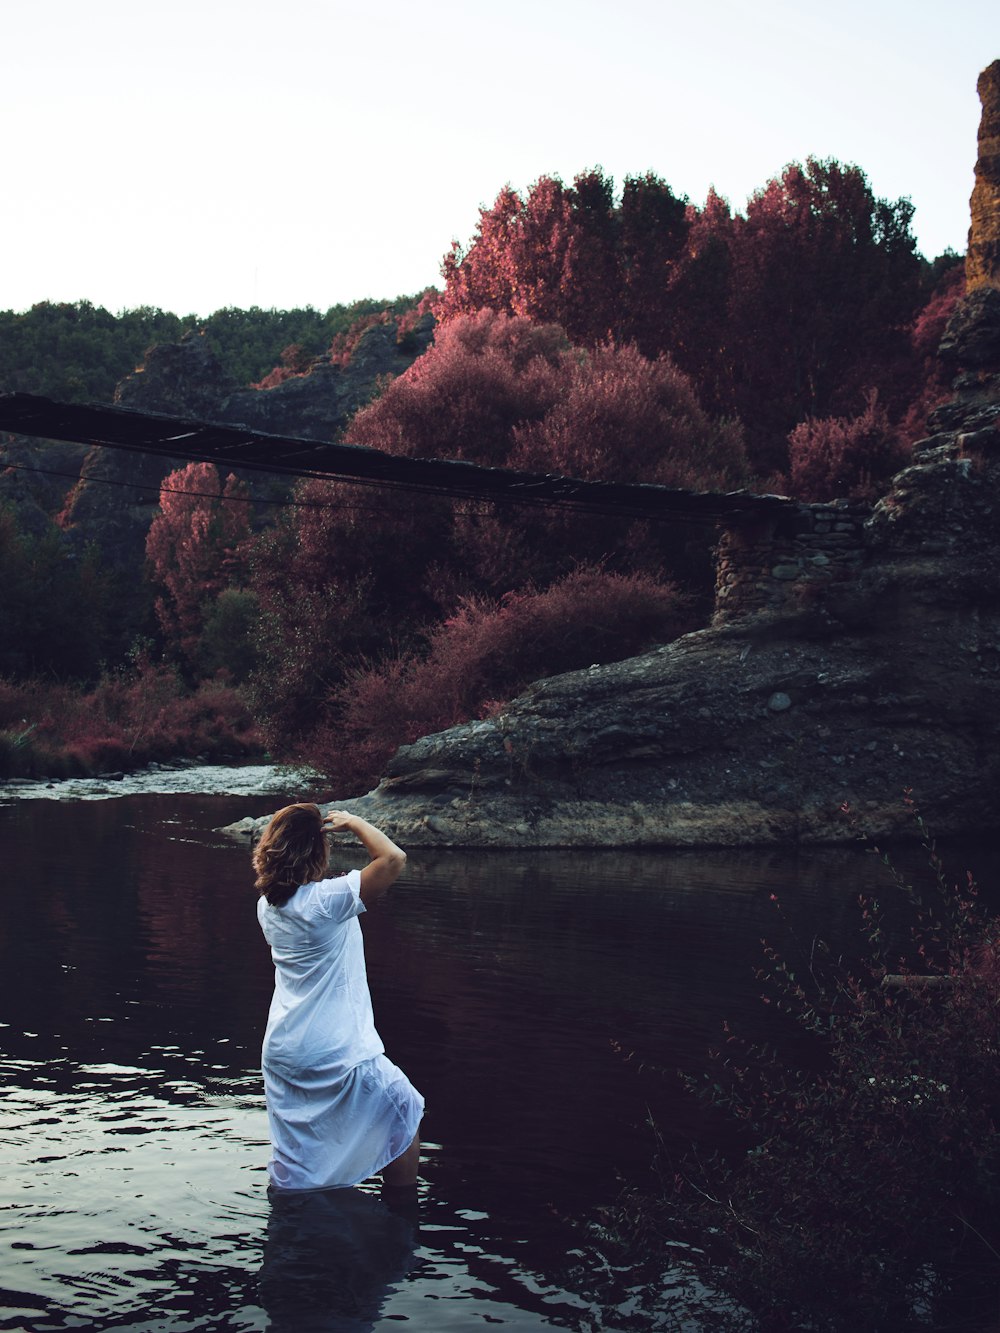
<point x="207" y="153"/>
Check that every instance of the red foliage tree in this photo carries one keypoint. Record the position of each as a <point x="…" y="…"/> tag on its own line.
<point x="195" y="547"/>
<point x="568" y="255"/>
<point x="789" y="312"/>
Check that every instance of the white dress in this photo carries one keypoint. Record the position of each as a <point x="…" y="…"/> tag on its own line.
<point x="338" y="1110"/>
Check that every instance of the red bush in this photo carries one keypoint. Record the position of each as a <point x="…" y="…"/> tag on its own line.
<point x="293" y="362"/>
<point x="127" y="720"/>
<point x="489" y="651"/>
<point x="347" y="569"/>
<point x="622" y="417"/>
<point x="483" y="376"/>
<point x="841" y="457"/>
<point x="195" y="547"/>
<point x="933" y="378"/>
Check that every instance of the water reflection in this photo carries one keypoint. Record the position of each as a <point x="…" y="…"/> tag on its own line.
<point x="332" y="1257"/>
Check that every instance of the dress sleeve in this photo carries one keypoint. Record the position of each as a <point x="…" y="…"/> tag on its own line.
<point x="340" y="898"/>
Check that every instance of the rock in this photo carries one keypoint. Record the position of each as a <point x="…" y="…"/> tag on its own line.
<point x="972" y="334"/>
<point x="971" y="341"/>
<point x="982" y="263"/>
<point x="181" y="379"/>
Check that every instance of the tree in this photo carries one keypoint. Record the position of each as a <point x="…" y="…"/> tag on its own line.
<point x="792" y="311"/>
<point x="195" y="547"/>
<point x="824" y="281"/>
<point x="568" y="255"/>
<point x="57" y="611"/>
<point x="654" y="233"/>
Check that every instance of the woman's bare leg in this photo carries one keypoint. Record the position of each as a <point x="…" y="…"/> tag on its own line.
<point x="403" y="1170"/>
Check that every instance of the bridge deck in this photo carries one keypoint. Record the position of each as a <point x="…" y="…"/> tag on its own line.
<point x="234" y="446"/>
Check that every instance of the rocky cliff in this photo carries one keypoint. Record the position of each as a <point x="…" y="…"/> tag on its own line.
<point x="982" y="263"/>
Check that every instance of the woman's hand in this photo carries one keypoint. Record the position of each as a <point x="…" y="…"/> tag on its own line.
<point x="338" y="821"/>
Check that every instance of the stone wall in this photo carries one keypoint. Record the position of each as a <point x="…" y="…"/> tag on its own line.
<point x="788" y="563"/>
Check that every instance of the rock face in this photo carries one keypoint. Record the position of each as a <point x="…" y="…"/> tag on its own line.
<point x="185" y="379"/>
<point x="982" y="263"/>
<point x="851" y="657"/>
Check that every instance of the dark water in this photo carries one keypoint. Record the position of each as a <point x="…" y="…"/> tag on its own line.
<point x="133" y="990"/>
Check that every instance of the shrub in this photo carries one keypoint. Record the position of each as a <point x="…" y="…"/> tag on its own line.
<point x="868" y="1196"/>
<point x="485" y="374"/>
<point x="622" y="417"/>
<point x="128" y="719"/>
<point x="844" y="457"/>
<point x="489" y="651"/>
<point x="934" y="377"/>
<point x="195" y="547"/>
<point x="294" y="361"/>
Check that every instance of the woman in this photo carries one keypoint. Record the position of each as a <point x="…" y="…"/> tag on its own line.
<point x="338" y="1110"/>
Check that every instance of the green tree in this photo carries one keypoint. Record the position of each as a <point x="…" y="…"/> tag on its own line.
<point x="56" y="614"/>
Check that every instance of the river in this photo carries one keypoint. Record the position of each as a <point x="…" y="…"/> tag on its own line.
<point x="527" y="995"/>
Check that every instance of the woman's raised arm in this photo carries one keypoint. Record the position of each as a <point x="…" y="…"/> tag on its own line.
<point x="387" y="860"/>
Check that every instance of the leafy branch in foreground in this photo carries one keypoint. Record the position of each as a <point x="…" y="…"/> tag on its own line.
<point x="867" y="1193"/>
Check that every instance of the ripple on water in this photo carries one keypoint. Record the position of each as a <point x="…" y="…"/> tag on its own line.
<point x="134" y="1200"/>
<point x="111" y="1188"/>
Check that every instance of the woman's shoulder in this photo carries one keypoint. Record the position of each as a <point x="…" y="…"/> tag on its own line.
<point x="338" y="896"/>
<point x="331" y="883"/>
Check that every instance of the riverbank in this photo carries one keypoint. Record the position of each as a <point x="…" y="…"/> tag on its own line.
<point x="180" y="778"/>
<point x="123" y="723"/>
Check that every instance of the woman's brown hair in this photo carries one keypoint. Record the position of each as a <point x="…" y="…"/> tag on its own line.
<point x="292" y="851"/>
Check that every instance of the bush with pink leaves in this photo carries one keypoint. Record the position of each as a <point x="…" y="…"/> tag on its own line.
<point x="487" y="652"/>
<point x="844" y="457"/>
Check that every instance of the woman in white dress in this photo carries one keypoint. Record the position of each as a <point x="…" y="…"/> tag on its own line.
<point x="338" y="1110"/>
